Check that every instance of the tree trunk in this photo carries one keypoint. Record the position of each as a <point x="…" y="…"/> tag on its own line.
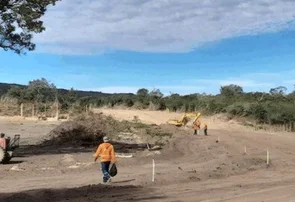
<point x="33" y="110"/>
<point x="22" y="110"/>
<point x="57" y="111"/>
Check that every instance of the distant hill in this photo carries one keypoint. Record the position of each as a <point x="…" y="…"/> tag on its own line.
<point x="4" y="87"/>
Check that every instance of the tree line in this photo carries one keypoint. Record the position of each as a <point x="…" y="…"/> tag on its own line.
<point x="274" y="107"/>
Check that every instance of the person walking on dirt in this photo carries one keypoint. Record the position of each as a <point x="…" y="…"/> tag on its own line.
<point x="2" y="141"/>
<point x="106" y="153"/>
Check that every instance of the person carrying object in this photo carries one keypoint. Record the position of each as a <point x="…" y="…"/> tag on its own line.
<point x="106" y="152"/>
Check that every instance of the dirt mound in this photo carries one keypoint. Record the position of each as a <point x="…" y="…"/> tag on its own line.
<point x="82" y="131"/>
<point x="88" y="131"/>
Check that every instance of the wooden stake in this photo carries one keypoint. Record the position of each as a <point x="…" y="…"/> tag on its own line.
<point x="57" y="110"/>
<point x="45" y="110"/>
<point x="245" y="150"/>
<point x="217" y="139"/>
<point x="33" y="110"/>
<point x="153" y="178"/>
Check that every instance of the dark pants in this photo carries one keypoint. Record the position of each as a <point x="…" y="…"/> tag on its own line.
<point x="205" y="131"/>
<point x="196" y="132"/>
<point x="105" y="166"/>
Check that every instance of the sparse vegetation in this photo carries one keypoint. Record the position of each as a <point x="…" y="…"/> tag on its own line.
<point x="273" y="108"/>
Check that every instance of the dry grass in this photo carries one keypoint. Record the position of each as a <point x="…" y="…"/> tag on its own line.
<point x="12" y="108"/>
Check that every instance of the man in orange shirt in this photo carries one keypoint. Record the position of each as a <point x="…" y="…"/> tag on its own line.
<point x="106" y="153"/>
<point x="197" y="127"/>
<point x="3" y="141"/>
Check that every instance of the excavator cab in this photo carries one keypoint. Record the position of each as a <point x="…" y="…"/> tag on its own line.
<point x="11" y="145"/>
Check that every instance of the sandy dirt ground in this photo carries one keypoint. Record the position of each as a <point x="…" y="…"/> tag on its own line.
<point x="189" y="168"/>
<point x="31" y="130"/>
<point x="161" y="117"/>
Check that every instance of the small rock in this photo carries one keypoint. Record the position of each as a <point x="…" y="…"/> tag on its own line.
<point x="16" y="168"/>
<point x="74" y="166"/>
<point x="156" y="147"/>
<point x="49" y="168"/>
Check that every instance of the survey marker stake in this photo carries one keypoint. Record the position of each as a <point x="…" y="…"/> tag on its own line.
<point x="245" y="150"/>
<point x="267" y="157"/>
<point x="153" y="178"/>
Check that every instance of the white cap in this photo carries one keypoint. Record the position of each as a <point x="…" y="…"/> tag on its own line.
<point x="105" y="139"/>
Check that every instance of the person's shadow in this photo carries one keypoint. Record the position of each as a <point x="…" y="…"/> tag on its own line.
<point x="13" y="162"/>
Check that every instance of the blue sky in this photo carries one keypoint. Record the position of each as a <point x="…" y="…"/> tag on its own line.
<point x="192" y="51"/>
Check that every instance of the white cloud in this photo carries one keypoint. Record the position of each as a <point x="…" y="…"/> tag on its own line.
<point x="166" y="90"/>
<point x="245" y="83"/>
<point x="90" y="27"/>
<point x="250" y="82"/>
<point x="114" y="89"/>
<point x="262" y="81"/>
<point x="289" y="82"/>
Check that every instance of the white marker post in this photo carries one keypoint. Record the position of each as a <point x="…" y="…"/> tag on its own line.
<point x="148" y="146"/>
<point x="153" y="179"/>
<point x="267" y="157"/>
<point x="245" y="151"/>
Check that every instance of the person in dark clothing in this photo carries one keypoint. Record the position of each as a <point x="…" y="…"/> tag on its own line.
<point x="205" y="129"/>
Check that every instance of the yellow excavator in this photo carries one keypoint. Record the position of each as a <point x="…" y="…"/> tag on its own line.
<point x="184" y="119"/>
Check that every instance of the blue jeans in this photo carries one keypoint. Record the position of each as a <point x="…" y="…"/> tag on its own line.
<point x="105" y="170"/>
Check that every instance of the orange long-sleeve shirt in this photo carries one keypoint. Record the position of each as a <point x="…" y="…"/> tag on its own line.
<point x="106" y="152"/>
<point x="197" y="125"/>
<point x="3" y="143"/>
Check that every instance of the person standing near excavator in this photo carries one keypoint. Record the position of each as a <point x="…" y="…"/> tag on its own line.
<point x="106" y="153"/>
<point x="205" y="129"/>
<point x="197" y="126"/>
<point x="2" y="141"/>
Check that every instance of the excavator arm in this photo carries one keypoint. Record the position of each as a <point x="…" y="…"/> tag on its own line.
<point x="183" y="120"/>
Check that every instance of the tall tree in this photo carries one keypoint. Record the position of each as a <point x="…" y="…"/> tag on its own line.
<point x="40" y="90"/>
<point x="231" y="90"/>
<point x="143" y="96"/>
<point x="280" y="90"/>
<point x="16" y="92"/>
<point x="19" y="19"/>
